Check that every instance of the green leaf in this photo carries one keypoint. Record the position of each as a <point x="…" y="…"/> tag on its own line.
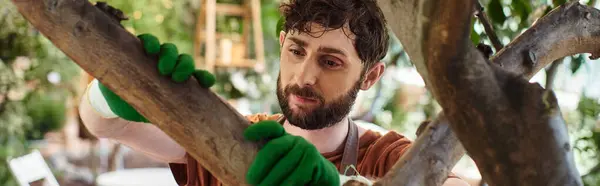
<point x="589" y="107"/>
<point x="576" y="63"/>
<point x="495" y="11"/>
<point x="522" y="8"/>
<point x="548" y="9"/>
<point x="557" y="3"/>
<point x="280" y="23"/>
<point x="474" y="35"/>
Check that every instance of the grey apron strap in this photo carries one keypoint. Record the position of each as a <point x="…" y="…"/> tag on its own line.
<point x="350" y="155"/>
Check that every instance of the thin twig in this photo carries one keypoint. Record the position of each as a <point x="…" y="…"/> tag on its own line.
<point x="489" y="29"/>
<point x="551" y="73"/>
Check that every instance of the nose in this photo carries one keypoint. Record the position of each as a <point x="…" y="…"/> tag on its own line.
<point x="307" y="72"/>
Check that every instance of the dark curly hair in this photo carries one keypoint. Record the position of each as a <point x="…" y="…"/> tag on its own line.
<point x="363" y="18"/>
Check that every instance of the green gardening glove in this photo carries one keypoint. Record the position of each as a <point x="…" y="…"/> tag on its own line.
<point x="286" y="159"/>
<point x="179" y="67"/>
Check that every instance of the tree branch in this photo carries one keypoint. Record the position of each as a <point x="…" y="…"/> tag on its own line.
<point x="502" y="120"/>
<point x="430" y="158"/>
<point x="569" y="29"/>
<point x="406" y="13"/>
<point x="207" y="127"/>
<point x="487" y="25"/>
<point x="573" y="27"/>
<point x="551" y="73"/>
<point x="435" y="152"/>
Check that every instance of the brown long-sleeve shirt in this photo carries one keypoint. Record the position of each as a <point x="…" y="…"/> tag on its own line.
<point x="377" y="155"/>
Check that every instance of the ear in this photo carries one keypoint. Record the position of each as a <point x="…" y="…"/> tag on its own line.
<point x="373" y="75"/>
<point x="281" y="38"/>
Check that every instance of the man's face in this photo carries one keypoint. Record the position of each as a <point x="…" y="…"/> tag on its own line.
<point x="319" y="77"/>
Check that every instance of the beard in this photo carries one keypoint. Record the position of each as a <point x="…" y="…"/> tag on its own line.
<point x="324" y="115"/>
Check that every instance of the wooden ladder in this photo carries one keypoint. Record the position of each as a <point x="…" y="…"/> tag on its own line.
<point x="231" y="52"/>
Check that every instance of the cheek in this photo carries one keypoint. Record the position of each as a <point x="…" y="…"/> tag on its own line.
<point x="285" y="70"/>
<point x="336" y="86"/>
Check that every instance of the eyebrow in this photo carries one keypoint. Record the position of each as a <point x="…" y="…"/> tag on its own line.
<point x="298" y="41"/>
<point x="323" y="49"/>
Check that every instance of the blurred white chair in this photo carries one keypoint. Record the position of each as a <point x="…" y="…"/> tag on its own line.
<point x="137" y="177"/>
<point x="30" y="168"/>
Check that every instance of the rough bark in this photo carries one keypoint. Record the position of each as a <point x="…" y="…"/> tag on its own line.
<point x="567" y="30"/>
<point x="430" y="158"/>
<point x="407" y="18"/>
<point x="404" y="18"/>
<point x="572" y="25"/>
<point x="206" y="126"/>
<point x="503" y="121"/>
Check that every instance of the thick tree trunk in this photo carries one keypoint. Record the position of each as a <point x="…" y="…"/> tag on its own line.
<point x="206" y="126"/>
<point x="504" y="122"/>
<point x="437" y="46"/>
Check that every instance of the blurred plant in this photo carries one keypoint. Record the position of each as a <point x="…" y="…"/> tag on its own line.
<point x="588" y="144"/>
<point x="169" y="20"/>
<point x="47" y="109"/>
<point x="28" y="63"/>
<point x="14" y="124"/>
<point x="17" y="38"/>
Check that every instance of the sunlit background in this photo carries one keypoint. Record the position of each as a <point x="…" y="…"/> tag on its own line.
<point x="40" y="87"/>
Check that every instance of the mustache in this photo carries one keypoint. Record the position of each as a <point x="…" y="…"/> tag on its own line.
<point x="304" y="92"/>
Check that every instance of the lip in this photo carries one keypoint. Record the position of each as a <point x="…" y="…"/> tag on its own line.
<point x="303" y="100"/>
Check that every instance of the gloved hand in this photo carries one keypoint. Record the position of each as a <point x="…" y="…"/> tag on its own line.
<point x="286" y="159"/>
<point x="170" y="63"/>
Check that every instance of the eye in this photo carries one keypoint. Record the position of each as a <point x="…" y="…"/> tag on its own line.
<point x="296" y="52"/>
<point x="332" y="64"/>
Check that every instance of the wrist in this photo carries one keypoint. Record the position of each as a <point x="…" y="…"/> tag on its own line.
<point x="97" y="101"/>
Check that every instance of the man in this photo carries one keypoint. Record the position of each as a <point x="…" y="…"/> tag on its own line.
<point x="330" y="49"/>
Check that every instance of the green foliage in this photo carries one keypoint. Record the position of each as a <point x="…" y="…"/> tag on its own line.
<point x="522" y="9"/>
<point x="23" y="119"/>
<point x="12" y="141"/>
<point x="17" y="37"/>
<point x="399" y="115"/>
<point x="496" y="13"/>
<point x="47" y="110"/>
<point x="557" y="3"/>
<point x="576" y="62"/>
<point x="475" y="38"/>
<point x="169" y="20"/>
<point x="272" y="22"/>
<point x="589" y="113"/>
<point x="588" y="107"/>
<point x="14" y="122"/>
<point x="280" y="23"/>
